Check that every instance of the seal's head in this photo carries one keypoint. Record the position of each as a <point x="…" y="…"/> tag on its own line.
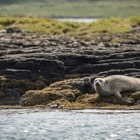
<point x="87" y="80"/>
<point x="101" y="87"/>
<point x="98" y="83"/>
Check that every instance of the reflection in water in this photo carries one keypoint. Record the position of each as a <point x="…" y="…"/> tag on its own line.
<point x="75" y="124"/>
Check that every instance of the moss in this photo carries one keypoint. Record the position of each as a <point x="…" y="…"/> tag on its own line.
<point x="135" y="20"/>
<point x="84" y="30"/>
<point x="7" y="21"/>
<point x="107" y="25"/>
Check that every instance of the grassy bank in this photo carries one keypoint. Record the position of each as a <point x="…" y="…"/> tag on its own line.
<point x="51" y="27"/>
<point x="70" y="8"/>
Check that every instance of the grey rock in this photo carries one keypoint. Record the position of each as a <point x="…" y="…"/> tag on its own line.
<point x="137" y="102"/>
<point x="26" y="55"/>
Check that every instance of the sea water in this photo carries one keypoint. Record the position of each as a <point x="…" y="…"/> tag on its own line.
<point x="45" y="124"/>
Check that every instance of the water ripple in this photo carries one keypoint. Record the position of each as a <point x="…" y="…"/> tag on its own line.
<point x="35" y="124"/>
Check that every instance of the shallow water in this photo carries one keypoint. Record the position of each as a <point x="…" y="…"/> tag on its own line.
<point x="44" y="124"/>
<point x="83" y="20"/>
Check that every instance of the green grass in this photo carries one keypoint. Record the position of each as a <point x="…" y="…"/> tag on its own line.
<point x="73" y="8"/>
<point x="52" y="27"/>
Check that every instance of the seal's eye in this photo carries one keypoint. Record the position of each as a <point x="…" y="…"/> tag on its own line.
<point x="100" y="81"/>
<point x="95" y="80"/>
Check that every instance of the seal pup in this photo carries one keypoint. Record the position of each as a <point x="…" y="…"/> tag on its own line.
<point x="115" y="85"/>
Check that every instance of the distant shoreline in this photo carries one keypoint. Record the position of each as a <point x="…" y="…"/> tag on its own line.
<point x="63" y="8"/>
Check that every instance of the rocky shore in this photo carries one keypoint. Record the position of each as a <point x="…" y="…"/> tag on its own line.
<point x="37" y="69"/>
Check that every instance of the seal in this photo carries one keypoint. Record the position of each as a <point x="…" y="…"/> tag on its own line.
<point x="116" y="85"/>
<point x="87" y="85"/>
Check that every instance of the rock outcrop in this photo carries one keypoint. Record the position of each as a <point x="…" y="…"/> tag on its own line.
<point x="33" y="61"/>
<point x="68" y="94"/>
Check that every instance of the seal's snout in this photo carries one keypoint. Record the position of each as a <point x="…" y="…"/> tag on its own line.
<point x="97" y="83"/>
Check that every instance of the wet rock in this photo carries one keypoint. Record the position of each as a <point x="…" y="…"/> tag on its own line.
<point x="101" y="45"/>
<point x="10" y="96"/>
<point x="137" y="102"/>
<point x="13" y="30"/>
<point x="54" y="105"/>
<point x="11" y="90"/>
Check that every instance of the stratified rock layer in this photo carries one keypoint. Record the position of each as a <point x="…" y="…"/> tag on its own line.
<point x="40" y="60"/>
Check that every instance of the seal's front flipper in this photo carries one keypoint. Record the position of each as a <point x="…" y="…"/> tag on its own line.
<point x="118" y="95"/>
